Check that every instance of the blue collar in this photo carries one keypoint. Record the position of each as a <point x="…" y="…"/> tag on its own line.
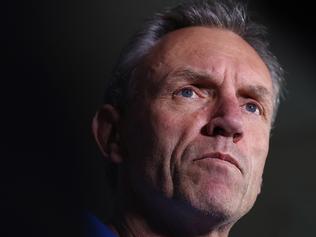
<point x="95" y="228"/>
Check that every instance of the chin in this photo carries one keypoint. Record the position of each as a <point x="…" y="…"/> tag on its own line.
<point x="216" y="202"/>
<point x="205" y="215"/>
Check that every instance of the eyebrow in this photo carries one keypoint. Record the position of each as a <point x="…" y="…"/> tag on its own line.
<point x="258" y="92"/>
<point x="188" y="73"/>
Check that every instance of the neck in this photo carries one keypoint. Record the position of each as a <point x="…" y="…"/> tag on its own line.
<point x="135" y="226"/>
<point x="134" y="219"/>
<point x="151" y="214"/>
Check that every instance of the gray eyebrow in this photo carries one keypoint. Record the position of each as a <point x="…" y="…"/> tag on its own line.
<point x="257" y="91"/>
<point x="184" y="74"/>
<point x="192" y="74"/>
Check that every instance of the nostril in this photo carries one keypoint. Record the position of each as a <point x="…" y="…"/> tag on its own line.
<point x="219" y="131"/>
<point x="236" y="137"/>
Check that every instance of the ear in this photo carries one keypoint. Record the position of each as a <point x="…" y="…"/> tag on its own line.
<point x="106" y="134"/>
<point x="260" y="186"/>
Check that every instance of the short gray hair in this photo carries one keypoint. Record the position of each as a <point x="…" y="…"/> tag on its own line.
<point x="224" y="14"/>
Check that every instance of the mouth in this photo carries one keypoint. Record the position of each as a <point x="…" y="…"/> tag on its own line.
<point x="221" y="156"/>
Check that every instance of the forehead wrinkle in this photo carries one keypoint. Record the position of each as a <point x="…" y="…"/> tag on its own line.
<point x="187" y="74"/>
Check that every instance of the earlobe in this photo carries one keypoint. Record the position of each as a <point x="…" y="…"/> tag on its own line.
<point x="106" y="134"/>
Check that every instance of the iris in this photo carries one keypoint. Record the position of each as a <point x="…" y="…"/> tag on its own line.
<point x="251" y="107"/>
<point x="187" y="92"/>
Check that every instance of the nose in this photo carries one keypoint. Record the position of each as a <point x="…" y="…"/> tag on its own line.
<point x="226" y="120"/>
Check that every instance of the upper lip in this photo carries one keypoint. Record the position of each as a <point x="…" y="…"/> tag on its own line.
<point x="221" y="156"/>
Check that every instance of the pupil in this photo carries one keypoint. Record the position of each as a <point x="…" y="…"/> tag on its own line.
<point x="187" y="92"/>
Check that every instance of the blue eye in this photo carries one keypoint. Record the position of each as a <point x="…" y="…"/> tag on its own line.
<point x="252" y="108"/>
<point x="186" y="92"/>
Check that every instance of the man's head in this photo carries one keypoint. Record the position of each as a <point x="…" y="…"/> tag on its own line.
<point x="188" y="117"/>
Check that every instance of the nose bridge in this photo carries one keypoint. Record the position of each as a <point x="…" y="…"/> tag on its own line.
<point x="226" y="120"/>
<point x="228" y="107"/>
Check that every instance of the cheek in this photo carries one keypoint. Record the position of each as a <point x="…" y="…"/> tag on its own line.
<point x="255" y="145"/>
<point x="152" y="140"/>
<point x="258" y="146"/>
<point x="172" y="132"/>
<point x="256" y="150"/>
<point x="166" y="124"/>
<point x="257" y="137"/>
<point x="171" y="123"/>
<point x="261" y="148"/>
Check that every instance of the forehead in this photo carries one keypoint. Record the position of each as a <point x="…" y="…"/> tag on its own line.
<point x="212" y="50"/>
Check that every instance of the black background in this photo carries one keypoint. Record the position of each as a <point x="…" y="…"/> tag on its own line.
<point x="55" y="58"/>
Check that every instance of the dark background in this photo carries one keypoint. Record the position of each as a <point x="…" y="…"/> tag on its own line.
<point x="55" y="58"/>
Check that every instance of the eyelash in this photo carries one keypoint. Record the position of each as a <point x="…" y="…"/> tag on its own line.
<point x="194" y="92"/>
<point x="198" y="92"/>
<point x="186" y="89"/>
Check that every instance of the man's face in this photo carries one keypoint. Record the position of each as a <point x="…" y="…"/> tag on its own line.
<point x="198" y="129"/>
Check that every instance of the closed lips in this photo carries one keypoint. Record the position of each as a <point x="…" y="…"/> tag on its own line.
<point x="221" y="156"/>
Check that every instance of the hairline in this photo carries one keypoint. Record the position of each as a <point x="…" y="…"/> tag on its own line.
<point x="145" y="40"/>
<point x="144" y="65"/>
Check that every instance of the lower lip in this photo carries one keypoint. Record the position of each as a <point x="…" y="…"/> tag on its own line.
<point x="216" y="161"/>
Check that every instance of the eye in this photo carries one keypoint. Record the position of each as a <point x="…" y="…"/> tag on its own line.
<point x="252" y="108"/>
<point x="187" y="92"/>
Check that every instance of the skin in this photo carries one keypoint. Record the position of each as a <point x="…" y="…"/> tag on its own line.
<point x="192" y="144"/>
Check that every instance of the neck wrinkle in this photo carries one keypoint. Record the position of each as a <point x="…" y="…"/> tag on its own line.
<point x="131" y="225"/>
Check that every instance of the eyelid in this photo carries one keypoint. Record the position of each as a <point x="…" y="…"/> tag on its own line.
<point x="195" y="90"/>
<point x="201" y="91"/>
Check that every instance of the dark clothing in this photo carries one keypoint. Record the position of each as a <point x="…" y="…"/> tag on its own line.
<point x="95" y="228"/>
